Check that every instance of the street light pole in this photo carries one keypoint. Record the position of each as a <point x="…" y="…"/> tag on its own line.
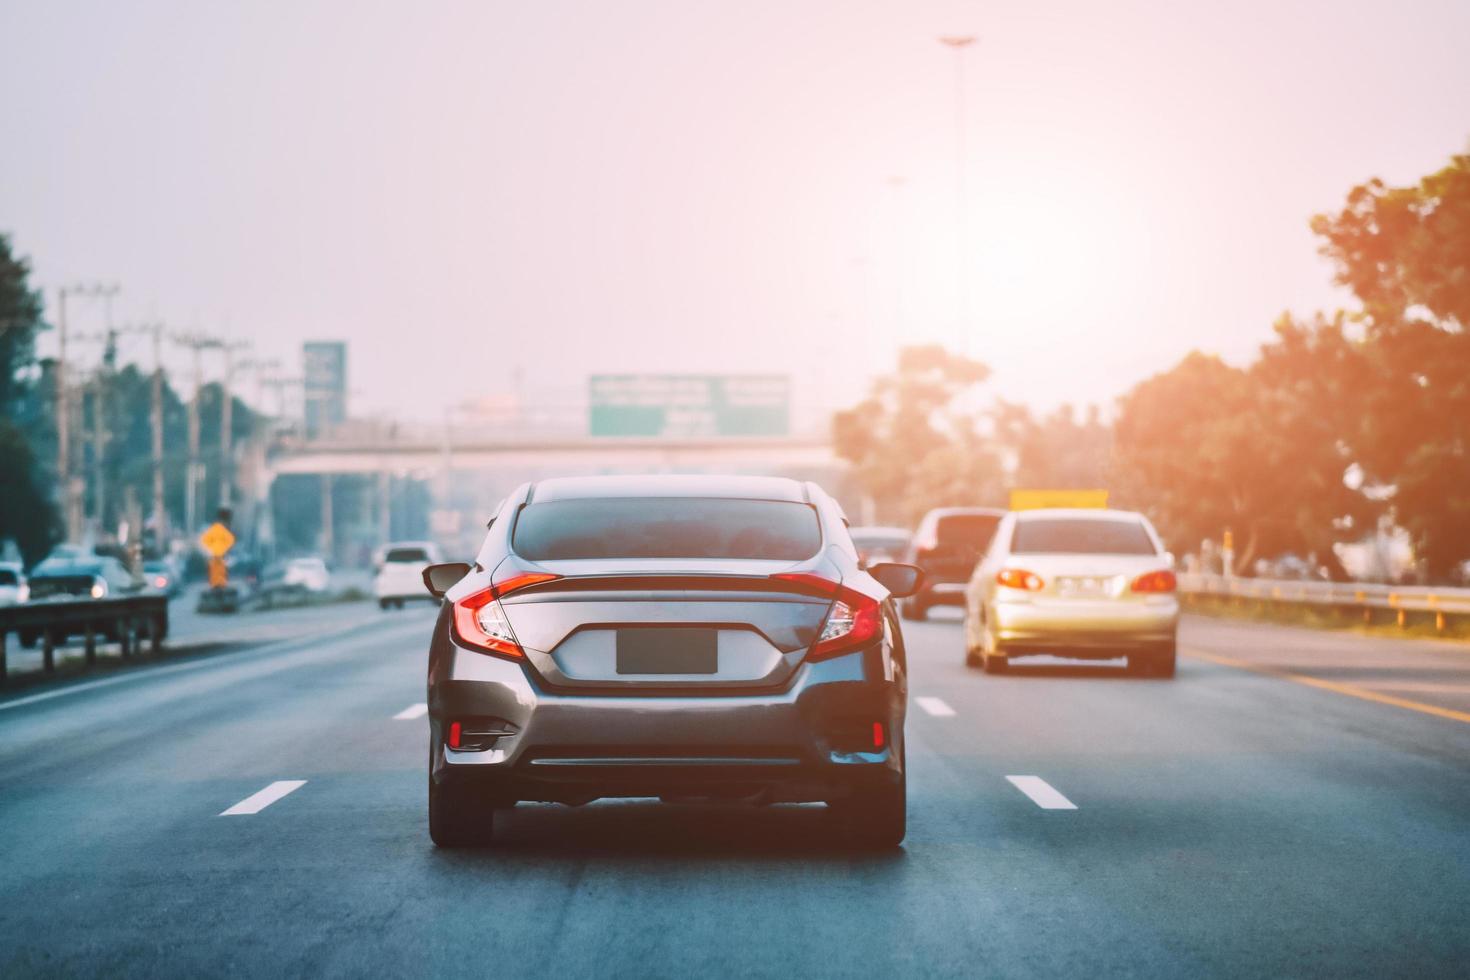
<point x="958" y="43"/>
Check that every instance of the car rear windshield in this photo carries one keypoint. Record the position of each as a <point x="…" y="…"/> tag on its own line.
<point x="667" y="527"/>
<point x="974" y="530"/>
<point x="1079" y="536"/>
<point x="406" y="554"/>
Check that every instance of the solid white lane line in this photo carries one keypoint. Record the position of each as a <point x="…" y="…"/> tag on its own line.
<point x="1041" y="793"/>
<point x="935" y="707"/>
<point x="411" y="712"/>
<point x="256" y="802"/>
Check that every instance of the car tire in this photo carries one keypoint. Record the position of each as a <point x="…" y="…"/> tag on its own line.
<point x="1158" y="662"/>
<point x="874" y="819"/>
<point x="972" y="652"/>
<point x="914" y="610"/>
<point x="458" y="818"/>
<point x="28" y="640"/>
<point x="994" y="663"/>
<point x="383" y="604"/>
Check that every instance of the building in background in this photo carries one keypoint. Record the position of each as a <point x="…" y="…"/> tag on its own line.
<point x="324" y="383"/>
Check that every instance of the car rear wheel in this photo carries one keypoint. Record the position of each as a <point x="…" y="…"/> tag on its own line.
<point x="914" y="609"/>
<point x="995" y="663"/>
<point x="874" y="819"/>
<point x="459" y="818"/>
<point x="1160" y="661"/>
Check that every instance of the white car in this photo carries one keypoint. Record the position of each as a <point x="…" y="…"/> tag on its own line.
<point x="309" y="573"/>
<point x="400" y="568"/>
<point x="1091" y="584"/>
<point x="13" y="588"/>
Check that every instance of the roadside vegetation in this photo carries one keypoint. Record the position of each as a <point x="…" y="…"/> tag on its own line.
<point x="1344" y="419"/>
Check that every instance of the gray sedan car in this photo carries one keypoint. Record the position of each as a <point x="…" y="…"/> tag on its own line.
<point x="681" y="637"/>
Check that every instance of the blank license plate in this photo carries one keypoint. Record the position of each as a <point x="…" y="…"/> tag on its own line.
<point x="1082" y="586"/>
<point x="667" y="651"/>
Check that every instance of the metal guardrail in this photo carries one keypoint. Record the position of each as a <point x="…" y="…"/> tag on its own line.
<point x="126" y="621"/>
<point x="1355" y="595"/>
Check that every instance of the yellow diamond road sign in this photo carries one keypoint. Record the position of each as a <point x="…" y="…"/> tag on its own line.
<point x="217" y="540"/>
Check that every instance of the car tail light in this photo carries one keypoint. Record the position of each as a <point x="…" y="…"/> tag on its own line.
<point x="1019" y="578"/>
<point x="159" y="582"/>
<point x="481" y="623"/>
<point x="456" y="732"/>
<point x="853" y="621"/>
<point x="1161" y="581"/>
<point x="878" y="736"/>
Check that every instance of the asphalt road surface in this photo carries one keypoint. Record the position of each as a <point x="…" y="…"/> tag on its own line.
<point x="1294" y="804"/>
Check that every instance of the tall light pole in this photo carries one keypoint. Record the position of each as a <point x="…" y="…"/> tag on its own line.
<point x="958" y="43"/>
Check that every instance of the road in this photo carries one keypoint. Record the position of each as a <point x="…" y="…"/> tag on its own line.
<point x="1227" y="823"/>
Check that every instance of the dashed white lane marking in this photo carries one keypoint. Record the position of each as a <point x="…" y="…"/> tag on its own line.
<point x="411" y="712"/>
<point x="935" y="707"/>
<point x="256" y="802"/>
<point x="1041" y="793"/>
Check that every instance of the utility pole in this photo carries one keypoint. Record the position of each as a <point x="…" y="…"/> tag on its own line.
<point x="196" y="344"/>
<point x="958" y="43"/>
<point x="227" y="414"/>
<point x="70" y="486"/>
<point x="160" y="511"/>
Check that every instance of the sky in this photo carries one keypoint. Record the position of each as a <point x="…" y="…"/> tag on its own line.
<point x="491" y="200"/>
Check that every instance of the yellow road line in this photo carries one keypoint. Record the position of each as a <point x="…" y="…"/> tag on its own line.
<point x="1347" y="690"/>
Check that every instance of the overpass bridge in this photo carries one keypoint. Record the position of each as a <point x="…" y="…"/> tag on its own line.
<point x="465" y="476"/>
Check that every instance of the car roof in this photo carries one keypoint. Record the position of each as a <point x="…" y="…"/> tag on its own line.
<point x="1079" y="513"/>
<point x="964" y="511"/>
<point x="670" y="485"/>
<point x="880" y="529"/>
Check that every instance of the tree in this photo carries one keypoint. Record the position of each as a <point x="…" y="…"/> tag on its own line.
<point x="1058" y="451"/>
<point x="915" y="442"/>
<point x="1262" y="451"/>
<point x="27" y="515"/>
<point x="1405" y="253"/>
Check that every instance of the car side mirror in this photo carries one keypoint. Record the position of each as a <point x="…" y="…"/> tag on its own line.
<point x="901" y="580"/>
<point x="439" y="579"/>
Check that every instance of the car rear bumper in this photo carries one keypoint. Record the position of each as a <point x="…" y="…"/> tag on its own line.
<point x="811" y="741"/>
<point x="1084" y="625"/>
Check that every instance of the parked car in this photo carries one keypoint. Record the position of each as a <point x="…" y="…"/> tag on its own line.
<point x="399" y="572"/>
<point x="13" y="587"/>
<point x="948" y="543"/>
<point x="1094" y="584"/>
<point x="876" y="544"/>
<point x="683" y="637"/>
<point x="308" y="573"/>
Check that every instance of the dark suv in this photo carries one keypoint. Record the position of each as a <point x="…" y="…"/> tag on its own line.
<point x="947" y="546"/>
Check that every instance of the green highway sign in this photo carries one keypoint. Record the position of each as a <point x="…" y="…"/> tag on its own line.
<point x="690" y="405"/>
